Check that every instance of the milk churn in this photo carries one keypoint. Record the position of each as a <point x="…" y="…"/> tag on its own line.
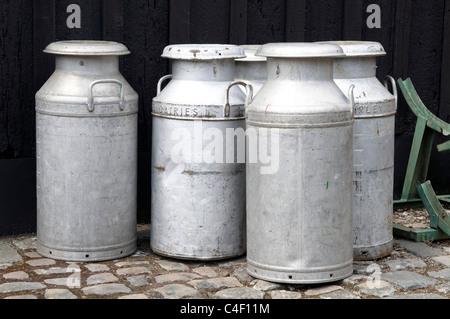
<point x="374" y="146"/>
<point x="299" y="210"/>
<point x="252" y="69"/>
<point x="86" y="116"/>
<point x="198" y="156"/>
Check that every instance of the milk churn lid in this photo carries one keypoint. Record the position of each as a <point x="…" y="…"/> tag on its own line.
<point x="300" y="50"/>
<point x="360" y="48"/>
<point x="86" y="47"/>
<point x="250" y="51"/>
<point x="203" y="52"/>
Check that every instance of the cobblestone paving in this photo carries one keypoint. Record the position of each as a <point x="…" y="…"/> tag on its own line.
<point x="413" y="271"/>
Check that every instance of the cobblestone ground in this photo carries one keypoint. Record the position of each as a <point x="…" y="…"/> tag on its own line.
<point x="413" y="271"/>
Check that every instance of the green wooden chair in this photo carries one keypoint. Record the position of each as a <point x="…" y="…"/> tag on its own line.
<point x="417" y="190"/>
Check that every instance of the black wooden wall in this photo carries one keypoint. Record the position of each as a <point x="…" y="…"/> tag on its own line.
<point x="415" y="33"/>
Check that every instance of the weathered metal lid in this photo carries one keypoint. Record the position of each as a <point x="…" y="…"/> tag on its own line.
<point x="250" y="51"/>
<point x="86" y="47"/>
<point x="203" y="52"/>
<point x="300" y="50"/>
<point x="359" y="48"/>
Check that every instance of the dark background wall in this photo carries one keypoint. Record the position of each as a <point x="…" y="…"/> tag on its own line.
<point x="415" y="33"/>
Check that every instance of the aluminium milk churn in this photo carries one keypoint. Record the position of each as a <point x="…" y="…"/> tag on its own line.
<point x="86" y="116"/>
<point x="374" y="147"/>
<point x="252" y="69"/>
<point x="198" y="156"/>
<point x="299" y="204"/>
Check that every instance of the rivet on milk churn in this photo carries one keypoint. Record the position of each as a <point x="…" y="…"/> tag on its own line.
<point x="299" y="218"/>
<point x="86" y="116"/>
<point x="198" y="167"/>
<point x="374" y="147"/>
<point x="252" y="69"/>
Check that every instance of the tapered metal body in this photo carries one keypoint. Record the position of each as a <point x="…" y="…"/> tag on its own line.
<point x="252" y="69"/>
<point x="86" y="127"/>
<point x="374" y="148"/>
<point x="198" y="175"/>
<point x="299" y="217"/>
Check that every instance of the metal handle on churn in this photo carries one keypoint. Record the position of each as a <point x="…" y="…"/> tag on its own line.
<point x="91" y="104"/>
<point x="161" y="81"/>
<point x="248" y="100"/>
<point x="394" y="88"/>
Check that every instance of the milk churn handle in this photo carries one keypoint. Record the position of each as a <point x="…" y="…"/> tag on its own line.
<point x="394" y="88"/>
<point x="161" y="81"/>
<point x="91" y="104"/>
<point x="248" y="100"/>
<point x="351" y="97"/>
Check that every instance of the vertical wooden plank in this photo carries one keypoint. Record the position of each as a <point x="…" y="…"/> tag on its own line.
<point x="3" y="79"/>
<point x="16" y="80"/>
<point x="5" y="64"/>
<point x="44" y="33"/>
<point x="112" y="20"/>
<point x="353" y="20"/>
<point x="402" y="33"/>
<point x="266" y="21"/>
<point x="402" y="37"/>
<point x="238" y="22"/>
<point x="425" y="58"/>
<point x="324" y="20"/>
<point x="210" y="21"/>
<point x="25" y="91"/>
<point x="180" y="22"/>
<point x="295" y="20"/>
<point x="17" y="119"/>
<point x="444" y="111"/>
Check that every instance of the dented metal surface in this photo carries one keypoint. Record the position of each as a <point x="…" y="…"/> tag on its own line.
<point x="198" y="203"/>
<point x="299" y="218"/>
<point x="86" y="116"/>
<point x="374" y="142"/>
